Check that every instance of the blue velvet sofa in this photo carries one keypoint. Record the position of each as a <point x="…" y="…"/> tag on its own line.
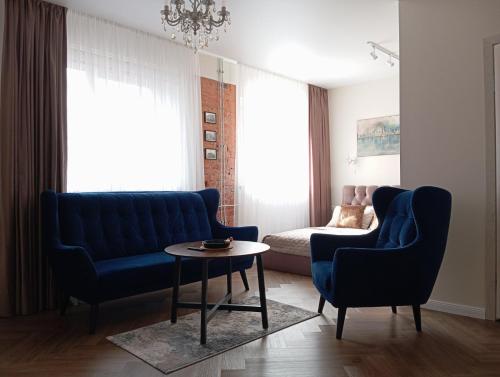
<point x="104" y="246"/>
<point x="396" y="264"/>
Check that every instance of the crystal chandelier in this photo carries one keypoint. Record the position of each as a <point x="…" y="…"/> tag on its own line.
<point x="196" y="24"/>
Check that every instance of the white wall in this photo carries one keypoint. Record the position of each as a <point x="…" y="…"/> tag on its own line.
<point x="348" y="105"/>
<point x="443" y="126"/>
<point x="209" y="68"/>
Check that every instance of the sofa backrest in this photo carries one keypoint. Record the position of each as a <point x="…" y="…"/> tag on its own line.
<point x="118" y="224"/>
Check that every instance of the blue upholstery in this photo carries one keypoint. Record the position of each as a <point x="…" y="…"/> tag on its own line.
<point x="112" y="225"/>
<point x="104" y="246"/>
<point x="398" y="228"/>
<point x="396" y="264"/>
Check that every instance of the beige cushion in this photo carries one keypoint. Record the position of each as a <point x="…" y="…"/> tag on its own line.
<point x="374" y="223"/>
<point x="351" y="217"/>
<point x="335" y="217"/>
<point x="368" y="216"/>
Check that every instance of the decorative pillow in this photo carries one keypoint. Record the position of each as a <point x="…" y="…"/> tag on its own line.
<point x="335" y="217"/>
<point x="368" y="216"/>
<point x="374" y="224"/>
<point x="351" y="217"/>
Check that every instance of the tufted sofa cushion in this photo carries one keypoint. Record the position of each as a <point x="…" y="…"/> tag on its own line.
<point x="115" y="225"/>
<point x="398" y="228"/>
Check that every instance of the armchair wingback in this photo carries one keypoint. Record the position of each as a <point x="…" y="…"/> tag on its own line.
<point x="108" y="245"/>
<point x="396" y="264"/>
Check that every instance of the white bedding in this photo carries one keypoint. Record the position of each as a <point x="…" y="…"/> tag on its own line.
<point x="296" y="241"/>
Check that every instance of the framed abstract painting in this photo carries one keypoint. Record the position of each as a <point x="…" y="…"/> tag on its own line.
<point x="378" y="136"/>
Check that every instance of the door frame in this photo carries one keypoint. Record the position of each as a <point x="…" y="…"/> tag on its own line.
<point x="492" y="228"/>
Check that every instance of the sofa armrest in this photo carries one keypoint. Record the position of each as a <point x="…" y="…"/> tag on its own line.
<point x="323" y="246"/>
<point x="74" y="268"/>
<point x="242" y="233"/>
<point x="374" y="277"/>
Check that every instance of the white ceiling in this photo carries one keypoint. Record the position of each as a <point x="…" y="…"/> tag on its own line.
<point x="322" y="42"/>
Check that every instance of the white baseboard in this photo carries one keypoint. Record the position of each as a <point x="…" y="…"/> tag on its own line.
<point x="463" y="310"/>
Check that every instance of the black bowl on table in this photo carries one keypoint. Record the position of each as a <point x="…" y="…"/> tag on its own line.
<point x="216" y="244"/>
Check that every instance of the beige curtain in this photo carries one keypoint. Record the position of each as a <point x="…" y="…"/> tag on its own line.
<point x="32" y="147"/>
<point x="320" y="202"/>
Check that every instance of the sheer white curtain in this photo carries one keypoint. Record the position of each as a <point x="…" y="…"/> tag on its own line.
<point x="133" y="110"/>
<point x="272" y="152"/>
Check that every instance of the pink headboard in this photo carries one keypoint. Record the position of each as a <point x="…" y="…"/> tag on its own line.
<point x="358" y="195"/>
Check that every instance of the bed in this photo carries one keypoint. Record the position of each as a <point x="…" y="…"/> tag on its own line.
<point x="290" y="250"/>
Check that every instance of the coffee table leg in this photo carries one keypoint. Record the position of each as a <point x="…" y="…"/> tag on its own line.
<point x="262" y="291"/>
<point x="229" y="277"/>
<point x="204" y="286"/>
<point x="175" y="292"/>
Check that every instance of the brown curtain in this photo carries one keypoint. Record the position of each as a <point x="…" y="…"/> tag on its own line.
<point x="32" y="147"/>
<point x="320" y="200"/>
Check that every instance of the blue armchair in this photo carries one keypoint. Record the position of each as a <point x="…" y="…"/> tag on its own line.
<point x="395" y="265"/>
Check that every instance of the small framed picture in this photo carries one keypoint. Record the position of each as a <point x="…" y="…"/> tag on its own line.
<point x="210" y="154"/>
<point x="210" y="117"/>
<point x="210" y="135"/>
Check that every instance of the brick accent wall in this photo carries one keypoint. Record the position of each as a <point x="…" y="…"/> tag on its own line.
<point x="213" y="168"/>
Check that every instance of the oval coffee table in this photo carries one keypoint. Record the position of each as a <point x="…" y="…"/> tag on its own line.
<point x="239" y="248"/>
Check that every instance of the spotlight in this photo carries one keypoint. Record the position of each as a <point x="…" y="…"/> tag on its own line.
<point x="378" y="49"/>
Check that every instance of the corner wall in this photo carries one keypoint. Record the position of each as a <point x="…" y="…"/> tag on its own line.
<point x="347" y="105"/>
<point x="210" y="98"/>
<point x="443" y="127"/>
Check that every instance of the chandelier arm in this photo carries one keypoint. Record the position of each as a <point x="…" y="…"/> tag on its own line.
<point x="217" y="23"/>
<point x="174" y="22"/>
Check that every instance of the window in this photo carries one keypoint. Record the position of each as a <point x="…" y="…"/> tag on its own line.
<point x="133" y="110"/>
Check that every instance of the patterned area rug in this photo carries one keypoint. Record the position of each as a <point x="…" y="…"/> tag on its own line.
<point x="170" y="347"/>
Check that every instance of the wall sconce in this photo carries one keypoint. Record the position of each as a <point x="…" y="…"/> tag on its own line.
<point x="352" y="160"/>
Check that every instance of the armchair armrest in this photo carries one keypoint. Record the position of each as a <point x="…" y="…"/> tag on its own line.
<point x="323" y="246"/>
<point x="243" y="233"/>
<point x="375" y="277"/>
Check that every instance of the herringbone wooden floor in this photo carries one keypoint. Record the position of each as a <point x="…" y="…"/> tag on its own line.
<point x="376" y="342"/>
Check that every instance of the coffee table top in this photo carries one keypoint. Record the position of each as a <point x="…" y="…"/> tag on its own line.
<point x="239" y="248"/>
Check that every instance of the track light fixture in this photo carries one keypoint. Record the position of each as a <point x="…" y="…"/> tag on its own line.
<point x="376" y="47"/>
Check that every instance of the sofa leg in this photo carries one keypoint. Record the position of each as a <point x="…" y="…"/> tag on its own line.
<point x="340" y="321"/>
<point x="417" y="317"/>
<point x="394" y="309"/>
<point x="321" y="304"/>
<point x="94" y="311"/>
<point x="243" y="274"/>
<point x="63" y="304"/>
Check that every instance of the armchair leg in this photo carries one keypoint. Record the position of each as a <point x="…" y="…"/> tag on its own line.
<point x="243" y="274"/>
<point x="63" y="304"/>
<point x="340" y="321"/>
<point x="394" y="309"/>
<point x="94" y="311"/>
<point x="321" y="304"/>
<point x="417" y="317"/>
